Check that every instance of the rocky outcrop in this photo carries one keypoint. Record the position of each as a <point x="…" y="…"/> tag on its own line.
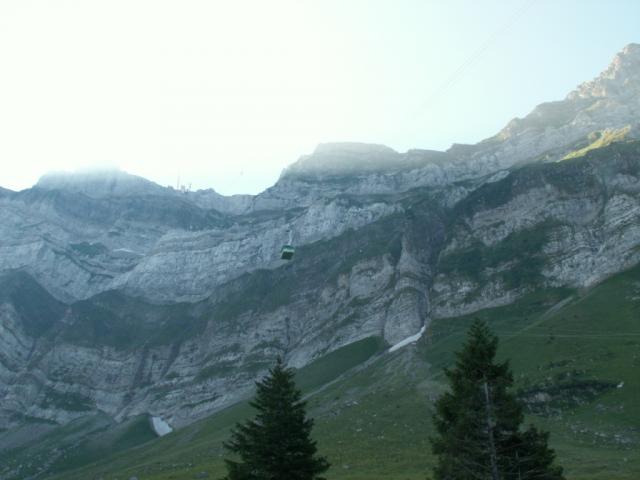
<point x="565" y="224"/>
<point x="126" y="356"/>
<point x="620" y="79"/>
<point x="551" y="130"/>
<point x="125" y="297"/>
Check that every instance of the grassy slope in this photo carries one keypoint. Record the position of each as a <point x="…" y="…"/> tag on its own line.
<point x="374" y="422"/>
<point x="197" y="447"/>
<point x="76" y="444"/>
<point x="602" y="139"/>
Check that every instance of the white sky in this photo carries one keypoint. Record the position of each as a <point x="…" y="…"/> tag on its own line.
<point x="225" y="94"/>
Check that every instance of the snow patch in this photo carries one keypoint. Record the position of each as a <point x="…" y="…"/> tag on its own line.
<point x="160" y="426"/>
<point x="408" y="340"/>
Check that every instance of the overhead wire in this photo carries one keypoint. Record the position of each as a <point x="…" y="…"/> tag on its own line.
<point x="462" y="69"/>
<point x="557" y="335"/>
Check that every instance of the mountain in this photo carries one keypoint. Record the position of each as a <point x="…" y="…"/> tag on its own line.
<point x="373" y="420"/>
<point x="122" y="300"/>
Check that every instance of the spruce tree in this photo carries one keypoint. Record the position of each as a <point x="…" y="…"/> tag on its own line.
<point x="276" y="444"/>
<point x="479" y="421"/>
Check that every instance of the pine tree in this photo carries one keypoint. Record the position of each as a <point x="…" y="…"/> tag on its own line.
<point x="534" y="460"/>
<point x="276" y="444"/>
<point x="479" y="421"/>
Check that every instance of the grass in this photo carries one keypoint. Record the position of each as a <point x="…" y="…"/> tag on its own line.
<point x="70" y="401"/>
<point x="596" y="333"/>
<point x="124" y="323"/>
<point x="78" y="443"/>
<point x="336" y="363"/>
<point x="601" y="139"/>
<point x="525" y="246"/>
<point x="37" y="309"/>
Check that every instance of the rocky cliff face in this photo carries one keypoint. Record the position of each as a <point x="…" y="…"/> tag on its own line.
<point x="563" y="224"/>
<point x="610" y="101"/>
<point x="125" y="297"/>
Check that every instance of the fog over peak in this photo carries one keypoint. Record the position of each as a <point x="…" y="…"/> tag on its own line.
<point x="98" y="182"/>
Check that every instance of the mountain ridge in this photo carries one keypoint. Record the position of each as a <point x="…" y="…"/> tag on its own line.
<point x="170" y="303"/>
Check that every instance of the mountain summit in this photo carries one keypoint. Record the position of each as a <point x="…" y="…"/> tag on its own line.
<point x="622" y="78"/>
<point x="99" y="183"/>
<point x="554" y="129"/>
<point x="344" y="159"/>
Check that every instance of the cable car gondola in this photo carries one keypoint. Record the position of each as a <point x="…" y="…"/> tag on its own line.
<point x="287" y="249"/>
<point x="287" y="252"/>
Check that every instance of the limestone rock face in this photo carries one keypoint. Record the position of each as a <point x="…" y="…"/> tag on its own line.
<point x="551" y="130"/>
<point x="123" y="297"/>
<point x="620" y="79"/>
<point x="571" y="223"/>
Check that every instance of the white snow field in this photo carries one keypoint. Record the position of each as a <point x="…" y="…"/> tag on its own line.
<point x="408" y="340"/>
<point x="160" y="426"/>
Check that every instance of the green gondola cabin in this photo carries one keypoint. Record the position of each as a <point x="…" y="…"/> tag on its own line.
<point x="287" y="252"/>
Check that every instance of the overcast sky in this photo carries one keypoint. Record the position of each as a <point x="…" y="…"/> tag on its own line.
<point x="225" y="94"/>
